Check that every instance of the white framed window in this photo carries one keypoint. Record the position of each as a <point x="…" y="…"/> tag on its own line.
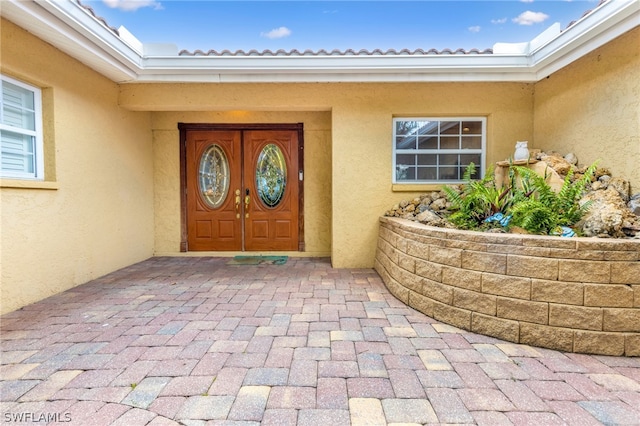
<point x="21" y="143"/>
<point x="438" y="149"/>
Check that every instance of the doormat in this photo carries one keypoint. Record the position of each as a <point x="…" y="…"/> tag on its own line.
<point x="258" y="260"/>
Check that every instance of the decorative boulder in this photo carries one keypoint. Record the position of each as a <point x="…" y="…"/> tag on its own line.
<point x="607" y="215"/>
<point x="571" y="158"/>
<point x="554" y="180"/>
<point x="634" y="204"/>
<point x="557" y="163"/>
<point x="620" y="185"/>
<point x="428" y="217"/>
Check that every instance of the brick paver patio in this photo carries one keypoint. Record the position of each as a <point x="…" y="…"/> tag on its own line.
<point x="194" y="341"/>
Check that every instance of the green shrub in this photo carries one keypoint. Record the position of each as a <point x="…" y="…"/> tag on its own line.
<point x="544" y="211"/>
<point x="526" y="200"/>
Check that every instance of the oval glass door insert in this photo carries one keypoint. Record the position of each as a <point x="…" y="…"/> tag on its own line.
<point x="214" y="176"/>
<point x="271" y="175"/>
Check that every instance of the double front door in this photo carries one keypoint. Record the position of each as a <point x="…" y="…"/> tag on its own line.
<point x="242" y="188"/>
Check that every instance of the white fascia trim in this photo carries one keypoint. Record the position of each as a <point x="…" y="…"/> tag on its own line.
<point x="283" y="77"/>
<point x="71" y="13"/>
<point x="337" y="68"/>
<point x="68" y="26"/>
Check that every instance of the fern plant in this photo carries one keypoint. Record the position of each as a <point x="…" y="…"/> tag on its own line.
<point x="544" y="211"/>
<point x="527" y="198"/>
<point x="479" y="200"/>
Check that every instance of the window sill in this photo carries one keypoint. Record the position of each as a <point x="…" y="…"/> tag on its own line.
<point x="416" y="187"/>
<point x="28" y="184"/>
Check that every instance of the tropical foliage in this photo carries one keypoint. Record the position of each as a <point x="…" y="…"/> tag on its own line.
<point x="526" y="200"/>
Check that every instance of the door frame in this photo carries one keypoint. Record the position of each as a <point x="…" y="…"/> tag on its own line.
<point x="186" y="127"/>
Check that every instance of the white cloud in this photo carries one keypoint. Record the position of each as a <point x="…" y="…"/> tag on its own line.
<point x="277" y="33"/>
<point x="132" y="5"/>
<point x="499" y="21"/>
<point x="527" y="1"/>
<point x="530" y="18"/>
<point x="474" y="29"/>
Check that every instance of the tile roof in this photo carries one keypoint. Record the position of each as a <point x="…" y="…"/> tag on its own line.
<point x="323" y="52"/>
<point x="116" y="53"/>
<point x="336" y="52"/>
<point x="587" y="12"/>
<point x="103" y="21"/>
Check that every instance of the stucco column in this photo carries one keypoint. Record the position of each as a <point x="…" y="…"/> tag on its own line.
<point x="361" y="177"/>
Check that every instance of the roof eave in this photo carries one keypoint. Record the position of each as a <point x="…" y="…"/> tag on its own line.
<point x="607" y="22"/>
<point x="335" y="68"/>
<point x="68" y="26"/>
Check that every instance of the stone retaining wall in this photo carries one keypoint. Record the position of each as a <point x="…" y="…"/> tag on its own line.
<point x="570" y="294"/>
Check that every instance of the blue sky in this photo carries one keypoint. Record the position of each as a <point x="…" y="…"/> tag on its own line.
<point x="233" y="25"/>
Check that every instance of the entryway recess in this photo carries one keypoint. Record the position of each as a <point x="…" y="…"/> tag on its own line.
<point x="242" y="187"/>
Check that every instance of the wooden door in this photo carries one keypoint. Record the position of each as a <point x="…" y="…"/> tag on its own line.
<point x="213" y="168"/>
<point x="271" y="185"/>
<point x="242" y="189"/>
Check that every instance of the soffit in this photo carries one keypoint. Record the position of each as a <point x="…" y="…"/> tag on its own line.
<point x="116" y="54"/>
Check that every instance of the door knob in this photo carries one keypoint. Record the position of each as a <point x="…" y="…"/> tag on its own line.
<point x="237" y="204"/>
<point x="247" y="200"/>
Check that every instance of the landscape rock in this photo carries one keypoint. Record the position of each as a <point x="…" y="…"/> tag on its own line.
<point x="557" y="163"/>
<point x="613" y="213"/>
<point x="601" y="171"/>
<point x="622" y="186"/>
<point x="634" y="204"/>
<point x="554" y="179"/>
<point x="607" y="214"/>
<point x="571" y="158"/>
<point x="439" y="204"/>
<point x="428" y="217"/>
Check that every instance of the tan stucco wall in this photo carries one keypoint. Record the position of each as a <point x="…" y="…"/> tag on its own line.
<point x="592" y="108"/>
<point x="317" y="173"/>
<point x="96" y="214"/>
<point x="357" y="140"/>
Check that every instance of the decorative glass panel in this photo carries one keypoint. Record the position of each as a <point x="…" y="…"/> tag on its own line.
<point x="271" y="175"/>
<point x="214" y="176"/>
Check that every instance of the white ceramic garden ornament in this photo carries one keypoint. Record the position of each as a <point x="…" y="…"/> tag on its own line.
<point x="522" y="151"/>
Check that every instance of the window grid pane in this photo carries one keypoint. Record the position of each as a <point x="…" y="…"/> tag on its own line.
<point x="21" y="150"/>
<point x="18" y="154"/>
<point x="437" y="150"/>
<point x="17" y="107"/>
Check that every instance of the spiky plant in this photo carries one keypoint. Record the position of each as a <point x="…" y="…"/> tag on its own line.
<point x="527" y="198"/>
<point x="479" y="200"/>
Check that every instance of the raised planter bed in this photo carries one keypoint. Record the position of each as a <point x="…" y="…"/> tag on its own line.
<point x="570" y="294"/>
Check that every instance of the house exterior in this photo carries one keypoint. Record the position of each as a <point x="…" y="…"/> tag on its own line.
<point x="115" y="165"/>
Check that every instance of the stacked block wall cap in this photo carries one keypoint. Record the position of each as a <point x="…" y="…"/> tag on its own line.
<point x="570" y="294"/>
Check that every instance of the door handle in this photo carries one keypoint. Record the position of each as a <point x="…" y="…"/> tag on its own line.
<point x="247" y="200"/>
<point x="237" y="204"/>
